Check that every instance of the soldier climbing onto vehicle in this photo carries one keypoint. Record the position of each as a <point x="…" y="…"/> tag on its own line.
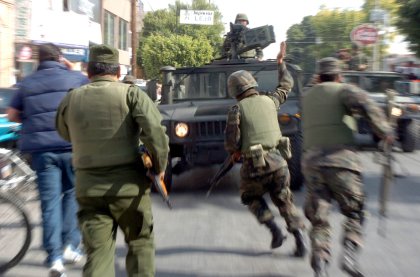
<point x="358" y="60"/>
<point x="253" y="133"/>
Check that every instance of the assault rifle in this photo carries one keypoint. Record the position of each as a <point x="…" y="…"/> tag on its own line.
<point x="224" y="168"/>
<point x="386" y="181"/>
<point x="387" y="169"/>
<point x="157" y="182"/>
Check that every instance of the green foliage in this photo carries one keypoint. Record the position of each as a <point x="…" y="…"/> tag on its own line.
<point x="321" y="35"/>
<point x="408" y="23"/>
<point x="389" y="6"/>
<point x="161" y="25"/>
<point x="174" y="50"/>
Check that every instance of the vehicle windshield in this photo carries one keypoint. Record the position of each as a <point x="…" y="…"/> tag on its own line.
<point x="374" y="83"/>
<point x="210" y="85"/>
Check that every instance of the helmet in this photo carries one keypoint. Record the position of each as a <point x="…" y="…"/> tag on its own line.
<point x="241" y="16"/>
<point x="239" y="82"/>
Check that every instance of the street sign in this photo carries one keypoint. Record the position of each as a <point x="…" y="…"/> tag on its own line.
<point x="364" y="34"/>
<point x="201" y="17"/>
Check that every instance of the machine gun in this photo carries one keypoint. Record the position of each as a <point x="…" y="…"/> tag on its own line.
<point x="241" y="39"/>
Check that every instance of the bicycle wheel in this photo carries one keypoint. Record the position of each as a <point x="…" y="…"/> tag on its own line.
<point x="15" y="231"/>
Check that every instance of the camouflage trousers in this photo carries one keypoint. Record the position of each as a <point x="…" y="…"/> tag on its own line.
<point x="276" y="184"/>
<point x="323" y="185"/>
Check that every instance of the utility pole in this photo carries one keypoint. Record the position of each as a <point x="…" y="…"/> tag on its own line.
<point x="134" y="43"/>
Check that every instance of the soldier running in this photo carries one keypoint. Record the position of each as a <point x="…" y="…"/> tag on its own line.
<point x="253" y="132"/>
<point x="331" y="166"/>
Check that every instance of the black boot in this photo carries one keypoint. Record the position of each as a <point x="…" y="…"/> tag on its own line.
<point x="300" y="243"/>
<point x="319" y="265"/>
<point x="349" y="262"/>
<point x="278" y="237"/>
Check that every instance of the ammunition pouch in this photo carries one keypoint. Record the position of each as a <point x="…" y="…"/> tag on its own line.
<point x="285" y="148"/>
<point x="256" y="153"/>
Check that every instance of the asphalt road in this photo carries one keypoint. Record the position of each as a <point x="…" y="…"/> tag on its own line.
<point x="217" y="236"/>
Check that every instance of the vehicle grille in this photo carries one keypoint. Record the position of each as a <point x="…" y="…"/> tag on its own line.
<point x="210" y="129"/>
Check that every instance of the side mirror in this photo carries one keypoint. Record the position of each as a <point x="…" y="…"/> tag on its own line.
<point x="151" y="89"/>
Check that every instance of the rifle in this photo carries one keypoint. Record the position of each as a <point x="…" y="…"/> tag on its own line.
<point x="224" y="168"/>
<point x="386" y="180"/>
<point x="157" y="182"/>
<point x="388" y="174"/>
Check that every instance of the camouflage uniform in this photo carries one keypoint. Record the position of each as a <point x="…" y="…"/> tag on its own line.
<point x="273" y="178"/>
<point x="250" y="54"/>
<point x="358" y="60"/>
<point x="331" y="170"/>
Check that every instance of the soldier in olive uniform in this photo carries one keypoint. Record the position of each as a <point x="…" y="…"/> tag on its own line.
<point x="257" y="53"/>
<point x="331" y="166"/>
<point x="253" y="132"/>
<point x="104" y="121"/>
<point x="358" y="60"/>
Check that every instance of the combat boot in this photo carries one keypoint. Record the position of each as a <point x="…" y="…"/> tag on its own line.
<point x="319" y="265"/>
<point x="278" y="237"/>
<point x="349" y="262"/>
<point x="301" y="247"/>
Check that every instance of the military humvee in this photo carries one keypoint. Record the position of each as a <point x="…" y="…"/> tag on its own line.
<point x="195" y="103"/>
<point x="406" y="104"/>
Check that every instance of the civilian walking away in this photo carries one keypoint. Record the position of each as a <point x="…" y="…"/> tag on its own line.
<point x="105" y="121"/>
<point x="35" y="104"/>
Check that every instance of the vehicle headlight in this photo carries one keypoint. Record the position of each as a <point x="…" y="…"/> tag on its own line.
<point x="413" y="107"/>
<point x="181" y="129"/>
<point x="396" y="111"/>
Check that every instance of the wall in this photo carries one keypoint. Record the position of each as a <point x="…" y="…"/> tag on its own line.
<point x="121" y="9"/>
<point x="7" y="26"/>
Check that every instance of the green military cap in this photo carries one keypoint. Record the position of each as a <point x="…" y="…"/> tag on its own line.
<point x="103" y="54"/>
<point x="329" y="65"/>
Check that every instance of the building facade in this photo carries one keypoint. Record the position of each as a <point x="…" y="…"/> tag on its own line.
<point x="7" y="31"/>
<point x="73" y="25"/>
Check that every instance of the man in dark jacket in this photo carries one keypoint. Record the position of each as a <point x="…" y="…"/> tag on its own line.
<point x="253" y="132"/>
<point x="35" y="104"/>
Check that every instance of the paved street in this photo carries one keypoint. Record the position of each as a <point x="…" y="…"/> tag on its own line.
<point x="217" y="236"/>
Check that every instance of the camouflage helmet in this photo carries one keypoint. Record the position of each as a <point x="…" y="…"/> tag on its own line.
<point x="241" y="16"/>
<point x="239" y="82"/>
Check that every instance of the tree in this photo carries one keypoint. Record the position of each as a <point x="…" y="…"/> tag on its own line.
<point x="408" y="23"/>
<point x="321" y="35"/>
<point x="175" y="50"/>
<point x="161" y="25"/>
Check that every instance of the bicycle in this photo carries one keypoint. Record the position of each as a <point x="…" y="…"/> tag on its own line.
<point x="16" y="177"/>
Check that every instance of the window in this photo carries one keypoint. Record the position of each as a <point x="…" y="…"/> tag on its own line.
<point x="109" y="29"/>
<point x="123" y="32"/>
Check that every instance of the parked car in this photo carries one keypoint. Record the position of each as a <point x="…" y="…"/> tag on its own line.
<point x="9" y="131"/>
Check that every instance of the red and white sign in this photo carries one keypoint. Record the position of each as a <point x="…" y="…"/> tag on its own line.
<point x="364" y="34"/>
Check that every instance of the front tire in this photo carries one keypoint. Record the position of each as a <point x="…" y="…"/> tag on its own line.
<point x="409" y="136"/>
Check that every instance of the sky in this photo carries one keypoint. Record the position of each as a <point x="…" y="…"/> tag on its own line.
<point x="280" y="13"/>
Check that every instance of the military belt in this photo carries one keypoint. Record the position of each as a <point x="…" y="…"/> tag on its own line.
<point x="248" y="154"/>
